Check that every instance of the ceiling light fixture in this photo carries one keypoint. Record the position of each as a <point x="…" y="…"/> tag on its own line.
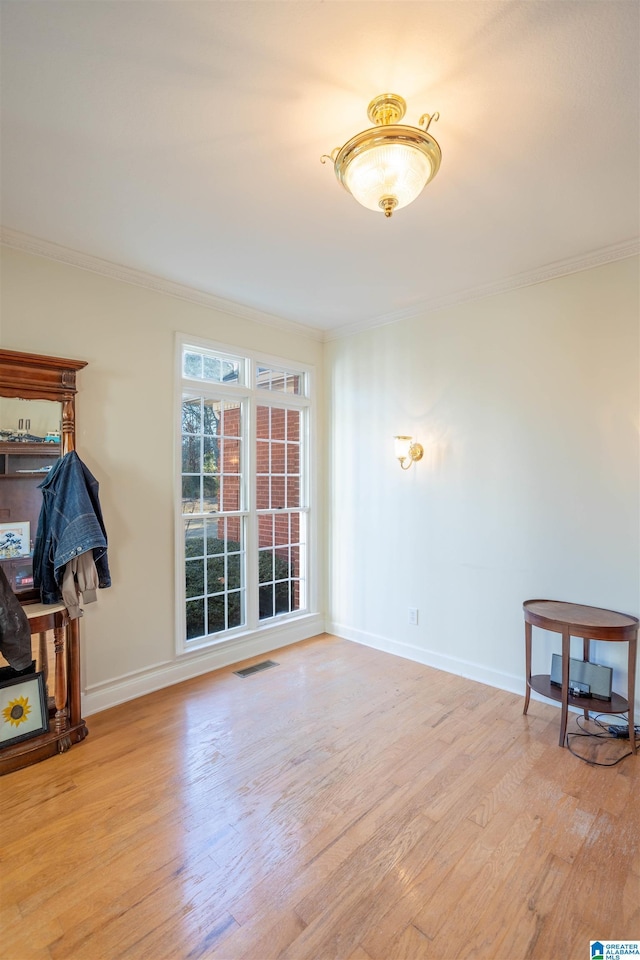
<point x="387" y="166"/>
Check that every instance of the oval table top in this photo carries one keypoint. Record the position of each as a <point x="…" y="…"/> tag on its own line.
<point x="583" y="621"/>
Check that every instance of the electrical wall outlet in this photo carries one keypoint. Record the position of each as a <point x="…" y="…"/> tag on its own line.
<point x="413" y="616"/>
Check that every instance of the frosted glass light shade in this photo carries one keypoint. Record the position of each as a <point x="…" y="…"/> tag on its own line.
<point x="402" y="444"/>
<point x="387" y="166"/>
<point x="394" y="170"/>
<point x="407" y="450"/>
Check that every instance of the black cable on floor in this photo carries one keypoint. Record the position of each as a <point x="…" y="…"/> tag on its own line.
<point x="599" y="736"/>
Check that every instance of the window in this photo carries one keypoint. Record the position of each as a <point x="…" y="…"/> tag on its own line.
<point x="243" y="515"/>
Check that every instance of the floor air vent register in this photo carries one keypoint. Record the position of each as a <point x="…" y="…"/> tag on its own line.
<point x="256" y="668"/>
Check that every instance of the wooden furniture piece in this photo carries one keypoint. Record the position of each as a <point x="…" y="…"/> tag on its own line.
<point x="23" y="465"/>
<point x="590" y="623"/>
<point x="66" y="726"/>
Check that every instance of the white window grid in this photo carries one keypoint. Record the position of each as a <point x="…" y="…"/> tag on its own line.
<point x="242" y="388"/>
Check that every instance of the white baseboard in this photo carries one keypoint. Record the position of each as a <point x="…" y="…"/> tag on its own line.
<point x="430" y="658"/>
<point x="121" y="689"/>
<point x="512" y="683"/>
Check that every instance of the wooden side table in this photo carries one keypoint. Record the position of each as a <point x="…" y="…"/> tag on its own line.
<point x="590" y="623"/>
<point x="66" y="725"/>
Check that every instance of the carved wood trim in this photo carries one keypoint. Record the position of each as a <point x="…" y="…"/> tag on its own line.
<point x="32" y="376"/>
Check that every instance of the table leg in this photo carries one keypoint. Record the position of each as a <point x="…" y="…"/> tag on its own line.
<point x="566" y="650"/>
<point x="527" y="655"/>
<point x="631" y="691"/>
<point x="61" y="718"/>
<point x="43" y="656"/>
<point x="585" y="656"/>
<point x="74" y="672"/>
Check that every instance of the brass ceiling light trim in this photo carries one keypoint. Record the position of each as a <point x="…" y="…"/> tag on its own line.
<point x="387" y="167"/>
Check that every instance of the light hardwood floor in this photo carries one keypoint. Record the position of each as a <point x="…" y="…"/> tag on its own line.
<point x="345" y="804"/>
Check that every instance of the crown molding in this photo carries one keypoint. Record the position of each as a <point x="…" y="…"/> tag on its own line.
<point x="53" y="251"/>
<point x="560" y="268"/>
<point x="550" y="271"/>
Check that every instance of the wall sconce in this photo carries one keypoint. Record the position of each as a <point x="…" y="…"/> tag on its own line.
<point x="407" y="451"/>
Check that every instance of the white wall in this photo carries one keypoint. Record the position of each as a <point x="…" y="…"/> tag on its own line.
<point x="527" y="405"/>
<point x="125" y="435"/>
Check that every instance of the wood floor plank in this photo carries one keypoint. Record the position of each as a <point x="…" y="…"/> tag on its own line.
<point x="344" y="805"/>
<point x="339" y="930"/>
<point x="541" y="891"/>
<point x="201" y="929"/>
<point x="262" y="939"/>
<point x="491" y="860"/>
<point x="602" y="877"/>
<point x="359" y="954"/>
<point x="424" y="873"/>
<point x="504" y="787"/>
<point x="410" y="945"/>
<point x="22" y="941"/>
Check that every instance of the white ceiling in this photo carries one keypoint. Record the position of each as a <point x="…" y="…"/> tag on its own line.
<point x="183" y="140"/>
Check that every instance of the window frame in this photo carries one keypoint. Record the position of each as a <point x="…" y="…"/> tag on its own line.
<point x="250" y="396"/>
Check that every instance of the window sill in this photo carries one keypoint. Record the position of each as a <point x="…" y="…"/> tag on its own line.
<point x="279" y="632"/>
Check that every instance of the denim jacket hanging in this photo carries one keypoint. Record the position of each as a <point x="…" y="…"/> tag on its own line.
<point x="70" y="523"/>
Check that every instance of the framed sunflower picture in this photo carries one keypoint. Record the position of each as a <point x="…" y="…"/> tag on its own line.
<point x="23" y="709"/>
